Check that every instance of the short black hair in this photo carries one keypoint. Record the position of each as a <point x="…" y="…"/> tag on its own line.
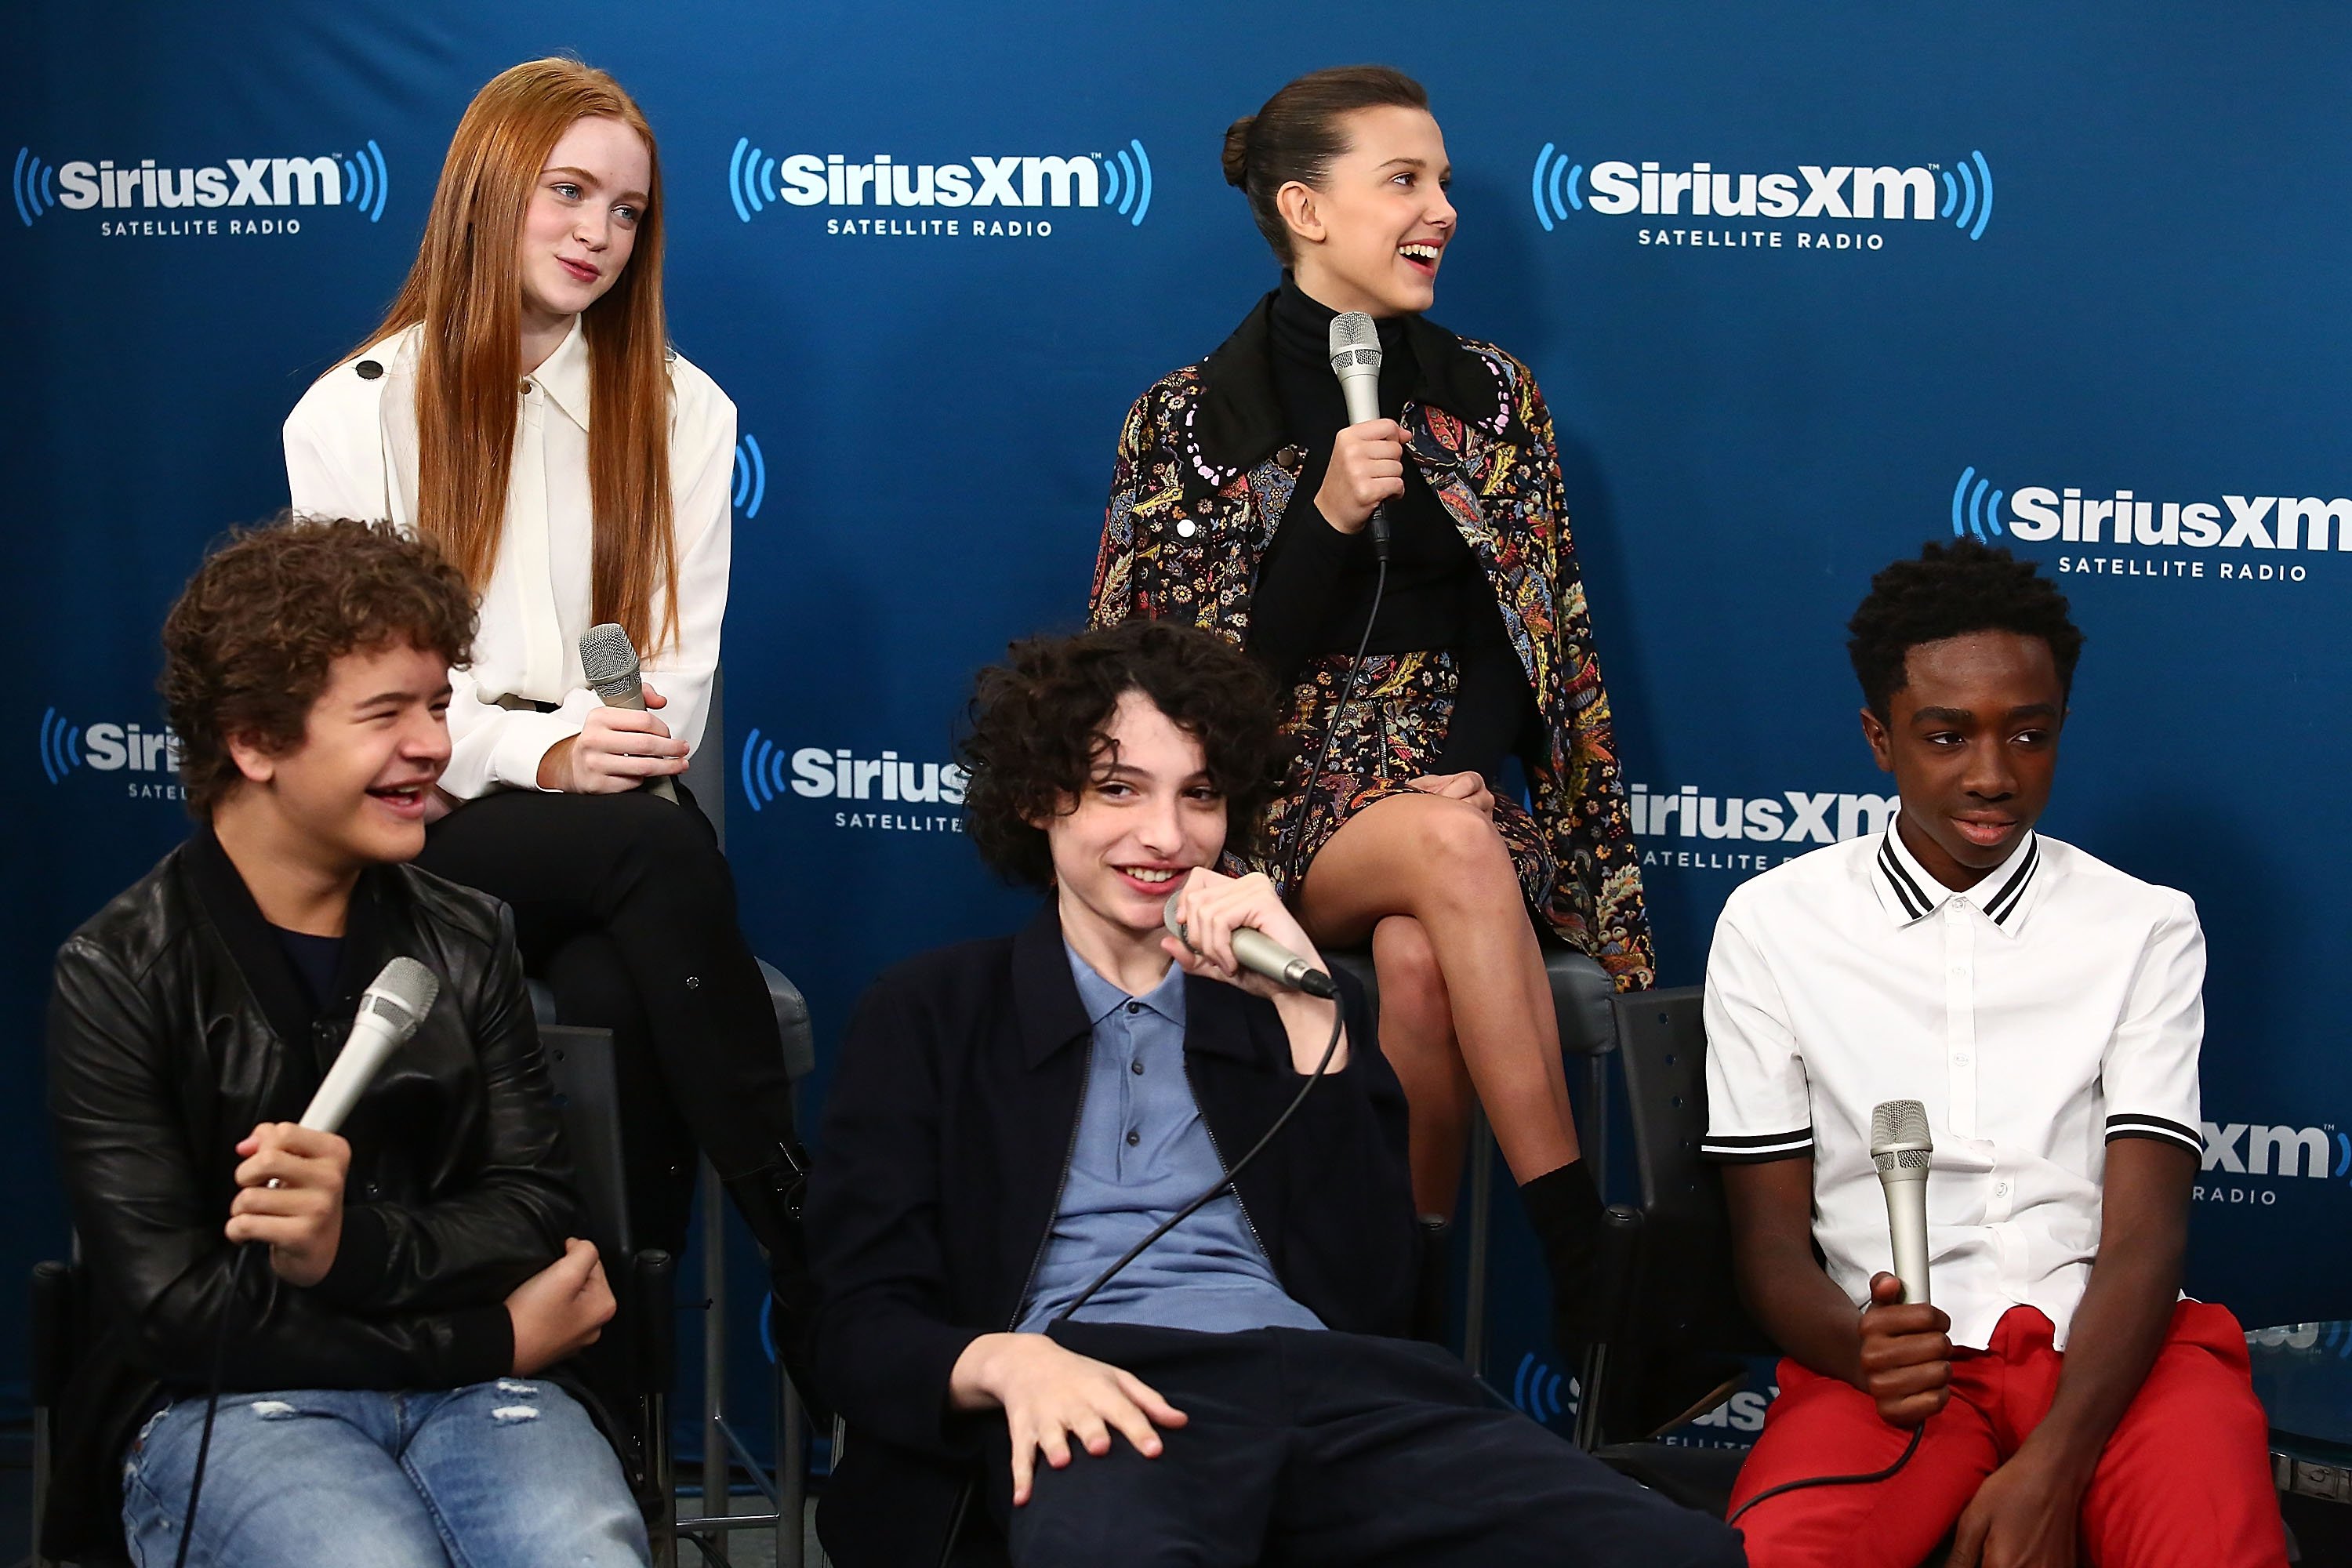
<point x="1951" y="591"/>
<point x="1037" y="736"/>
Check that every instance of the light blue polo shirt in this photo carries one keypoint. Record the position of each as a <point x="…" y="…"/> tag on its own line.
<point x="1142" y="1152"/>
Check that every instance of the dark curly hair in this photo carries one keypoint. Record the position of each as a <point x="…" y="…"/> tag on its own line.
<point x="249" y="646"/>
<point x="1951" y="591"/>
<point x="1037" y="730"/>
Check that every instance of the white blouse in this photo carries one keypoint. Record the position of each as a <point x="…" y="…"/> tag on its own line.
<point x="350" y="451"/>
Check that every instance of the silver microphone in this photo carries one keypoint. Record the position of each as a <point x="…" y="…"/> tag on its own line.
<point x="610" y="661"/>
<point x="1356" y="360"/>
<point x="1355" y="346"/>
<point x="390" y="1011"/>
<point x="1902" y="1149"/>
<point x="1261" y="954"/>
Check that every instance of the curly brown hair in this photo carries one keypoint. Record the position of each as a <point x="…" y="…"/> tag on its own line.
<point x="249" y="646"/>
<point x="1037" y="735"/>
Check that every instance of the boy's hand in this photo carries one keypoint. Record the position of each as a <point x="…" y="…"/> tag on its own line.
<point x="1050" y="1394"/>
<point x="1907" y="1357"/>
<point x="560" y="1310"/>
<point x="291" y="1196"/>
<point x="2027" y="1514"/>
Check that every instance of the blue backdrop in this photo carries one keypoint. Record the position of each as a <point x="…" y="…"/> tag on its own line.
<point x="1805" y="287"/>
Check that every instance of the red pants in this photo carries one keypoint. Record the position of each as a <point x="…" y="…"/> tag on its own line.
<point x="2184" y="1481"/>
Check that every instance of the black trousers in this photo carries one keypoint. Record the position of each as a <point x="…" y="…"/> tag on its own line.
<point x="1306" y="1447"/>
<point x="624" y="907"/>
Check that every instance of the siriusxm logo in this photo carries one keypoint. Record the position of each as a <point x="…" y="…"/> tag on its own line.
<point x="750" y="476"/>
<point x="359" y="181"/>
<point x="820" y="773"/>
<point x="2035" y="513"/>
<point x="66" y="746"/>
<point x="1847" y="191"/>
<point x="1120" y="180"/>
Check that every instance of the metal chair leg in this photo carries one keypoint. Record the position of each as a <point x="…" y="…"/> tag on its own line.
<point x="1482" y="1225"/>
<point x="715" y="1500"/>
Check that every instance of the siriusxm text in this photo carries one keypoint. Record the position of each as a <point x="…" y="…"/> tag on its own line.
<point x="2240" y="522"/>
<point x="1841" y="191"/>
<point x="822" y="774"/>
<point x="1793" y="816"/>
<point x="806" y="180"/>
<point x="244" y="181"/>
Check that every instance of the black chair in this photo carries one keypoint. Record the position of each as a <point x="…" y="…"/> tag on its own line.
<point x="1582" y="994"/>
<point x="1673" y="1292"/>
<point x="626" y="1374"/>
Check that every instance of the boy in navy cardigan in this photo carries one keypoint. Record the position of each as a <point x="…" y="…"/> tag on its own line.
<point x="1013" y="1116"/>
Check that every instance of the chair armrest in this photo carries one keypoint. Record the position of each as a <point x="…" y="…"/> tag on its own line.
<point x="1582" y="994"/>
<point x="655" y="1309"/>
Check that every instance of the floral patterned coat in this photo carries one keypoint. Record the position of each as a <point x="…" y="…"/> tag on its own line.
<point x="1200" y="485"/>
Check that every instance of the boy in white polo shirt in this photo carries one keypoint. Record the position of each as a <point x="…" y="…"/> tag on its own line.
<point x="2048" y="1011"/>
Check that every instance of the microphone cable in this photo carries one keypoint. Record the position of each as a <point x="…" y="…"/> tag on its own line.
<point x="1888" y="1474"/>
<point x="237" y="1270"/>
<point x="1330" y="1049"/>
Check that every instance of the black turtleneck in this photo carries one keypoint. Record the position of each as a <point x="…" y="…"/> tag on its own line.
<point x="1315" y="585"/>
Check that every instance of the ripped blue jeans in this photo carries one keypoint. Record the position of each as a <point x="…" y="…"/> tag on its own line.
<point x="491" y="1475"/>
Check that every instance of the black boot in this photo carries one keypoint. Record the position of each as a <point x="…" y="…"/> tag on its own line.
<point x="1648" y="1387"/>
<point x="1436" y="1274"/>
<point x="770" y="1200"/>
<point x="1568" y="1217"/>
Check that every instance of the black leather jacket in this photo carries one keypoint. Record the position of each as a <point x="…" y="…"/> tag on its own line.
<point x="176" y="1023"/>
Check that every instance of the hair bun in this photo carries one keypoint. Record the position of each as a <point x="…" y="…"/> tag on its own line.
<point x="1236" y="157"/>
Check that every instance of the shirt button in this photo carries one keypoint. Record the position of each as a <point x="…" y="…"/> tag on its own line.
<point x="525" y="389"/>
<point x="2000" y="1189"/>
<point x="1136" y="1068"/>
<point x="1960" y="1058"/>
<point x="1134" y="1007"/>
<point x="1187" y="528"/>
<point x="1133" y="1137"/>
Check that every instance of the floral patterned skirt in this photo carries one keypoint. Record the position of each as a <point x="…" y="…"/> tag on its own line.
<point x="1392" y="733"/>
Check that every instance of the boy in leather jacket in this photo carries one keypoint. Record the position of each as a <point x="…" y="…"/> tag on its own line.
<point x="391" y="1294"/>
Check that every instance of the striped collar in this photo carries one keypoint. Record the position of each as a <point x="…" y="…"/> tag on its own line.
<point x="1908" y="893"/>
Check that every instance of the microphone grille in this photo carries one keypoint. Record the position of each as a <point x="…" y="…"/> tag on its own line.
<point x="607" y="656"/>
<point x="402" y="993"/>
<point x="1900" y="1122"/>
<point x="1354" y="341"/>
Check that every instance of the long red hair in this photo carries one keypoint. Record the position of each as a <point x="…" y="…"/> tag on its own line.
<point x="465" y="290"/>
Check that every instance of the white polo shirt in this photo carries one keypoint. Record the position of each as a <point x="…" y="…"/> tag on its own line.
<point x="2056" y="1004"/>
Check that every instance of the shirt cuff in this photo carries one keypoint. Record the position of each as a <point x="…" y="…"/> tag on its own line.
<point x="2139" y="1124"/>
<point x="525" y="738"/>
<point x="1754" y="1148"/>
<point x="481" y="1345"/>
<point x="361" y="1254"/>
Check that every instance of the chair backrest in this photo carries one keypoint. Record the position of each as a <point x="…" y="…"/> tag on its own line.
<point x="587" y="1097"/>
<point x="1680" y="1294"/>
